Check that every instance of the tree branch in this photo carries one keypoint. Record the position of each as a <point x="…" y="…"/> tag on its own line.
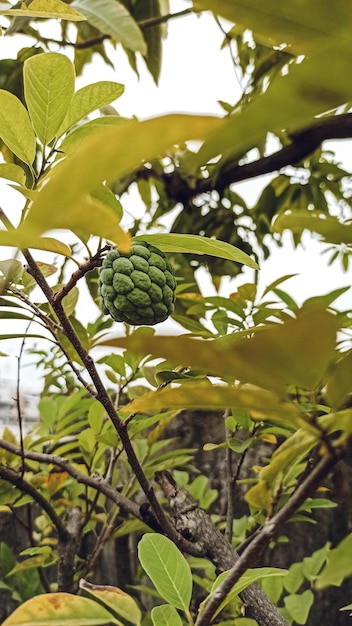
<point x="195" y="523"/>
<point x="23" y="485"/>
<point x="303" y="143"/>
<point x="270" y="529"/>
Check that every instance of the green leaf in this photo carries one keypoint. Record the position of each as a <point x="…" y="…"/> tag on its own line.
<point x="16" y="128"/>
<point x="263" y="404"/>
<point x="112" y="18"/>
<point x="143" y="11"/>
<point x="299" y="605"/>
<point x="165" y="615"/>
<point x="251" y="576"/>
<point x="312" y="87"/>
<point x="21" y="239"/>
<point x="49" y="83"/>
<point x="339" y="383"/>
<point x="115" y="600"/>
<point x="297" y="352"/>
<point x="47" y="9"/>
<point x="274" y="23"/>
<point x="327" y="226"/>
<point x="338" y="565"/>
<point x="167" y="568"/>
<point x="108" y="152"/>
<point x="60" y="609"/>
<point x="172" y="242"/>
<point x="89" y="99"/>
<point x="13" y="172"/>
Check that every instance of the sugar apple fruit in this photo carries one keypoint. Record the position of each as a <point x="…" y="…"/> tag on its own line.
<point x="137" y="287"/>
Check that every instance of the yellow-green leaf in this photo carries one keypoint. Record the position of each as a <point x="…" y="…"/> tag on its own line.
<point x="338" y="566"/>
<point x="261" y="403"/>
<point x="327" y="226"/>
<point x="300" y="26"/>
<point x="90" y="98"/>
<point x="22" y="239"/>
<point x="47" y="9"/>
<point x="109" y="152"/>
<point x="172" y="242"/>
<point x="112" y="17"/>
<point x="297" y="352"/>
<point x="60" y="609"/>
<point x="13" y="172"/>
<point x="312" y="87"/>
<point x="116" y="600"/>
<point x="16" y="128"/>
<point x="49" y="82"/>
<point x="339" y="383"/>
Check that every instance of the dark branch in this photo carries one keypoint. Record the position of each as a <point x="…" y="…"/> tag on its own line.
<point x="23" y="485"/>
<point x="304" y="142"/>
<point x="270" y="529"/>
<point x="195" y="523"/>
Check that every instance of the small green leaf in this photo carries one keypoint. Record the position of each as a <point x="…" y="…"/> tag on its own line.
<point x="89" y="99"/>
<point x="172" y="242"/>
<point x="338" y="565"/>
<point x="16" y="128"/>
<point x="251" y="576"/>
<point x="112" y="18"/>
<point x="49" y="82"/>
<point x="299" y="605"/>
<point x="167" y="568"/>
<point x="165" y="615"/>
<point x="13" y="172"/>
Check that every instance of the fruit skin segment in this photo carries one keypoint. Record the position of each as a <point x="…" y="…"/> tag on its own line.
<point x="137" y="287"/>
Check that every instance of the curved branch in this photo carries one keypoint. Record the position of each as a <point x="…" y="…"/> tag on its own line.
<point x="250" y="555"/>
<point x="303" y="143"/>
<point x="23" y="485"/>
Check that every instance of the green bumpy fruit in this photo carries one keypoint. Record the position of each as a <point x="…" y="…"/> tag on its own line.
<point x="137" y="287"/>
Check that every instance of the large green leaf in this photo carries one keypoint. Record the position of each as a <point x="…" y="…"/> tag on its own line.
<point x="108" y="152"/>
<point x="165" y="615"/>
<point x="172" y="242"/>
<point x="297" y="352"/>
<point x="260" y="403"/>
<point x="16" y="128"/>
<point x="167" y="568"/>
<point x="299" y="25"/>
<point x="112" y="17"/>
<point x="47" y="9"/>
<point x="49" y="83"/>
<point x="60" y="609"/>
<point x="88" y="99"/>
<point x="312" y="87"/>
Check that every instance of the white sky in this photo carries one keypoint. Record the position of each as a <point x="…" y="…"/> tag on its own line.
<point x="195" y="75"/>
